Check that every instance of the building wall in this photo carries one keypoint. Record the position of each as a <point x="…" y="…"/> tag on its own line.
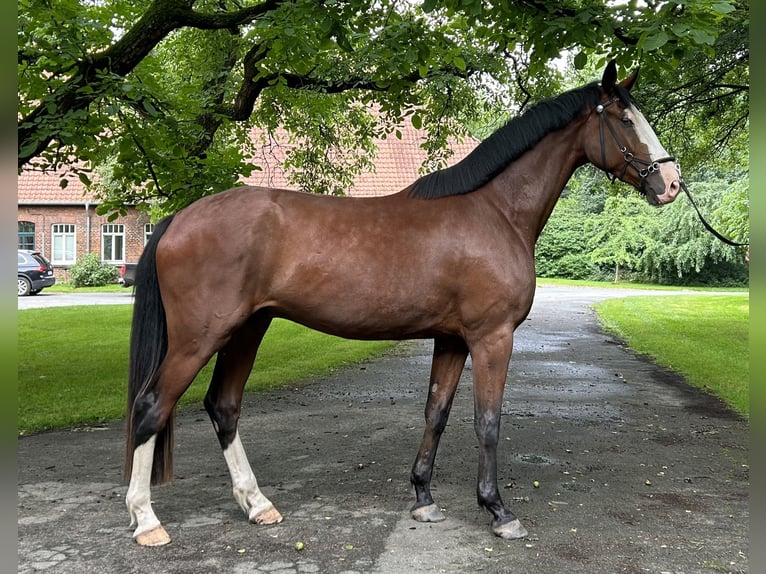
<point x="88" y="227"/>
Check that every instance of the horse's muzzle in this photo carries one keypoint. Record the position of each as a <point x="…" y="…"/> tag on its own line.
<point x="669" y="182"/>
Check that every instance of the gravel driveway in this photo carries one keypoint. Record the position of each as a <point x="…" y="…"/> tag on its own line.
<point x="637" y="472"/>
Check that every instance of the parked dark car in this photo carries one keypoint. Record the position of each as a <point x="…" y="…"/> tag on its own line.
<point x="35" y="272"/>
<point x="127" y="274"/>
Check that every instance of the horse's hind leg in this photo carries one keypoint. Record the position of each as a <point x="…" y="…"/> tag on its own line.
<point x="223" y="403"/>
<point x="149" y="531"/>
<point x="153" y="413"/>
<point x="448" y="362"/>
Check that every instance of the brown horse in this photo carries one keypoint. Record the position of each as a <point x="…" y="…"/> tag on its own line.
<point x="450" y="258"/>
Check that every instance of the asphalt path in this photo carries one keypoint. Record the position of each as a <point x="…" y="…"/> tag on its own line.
<point x="54" y="299"/>
<point x="635" y="471"/>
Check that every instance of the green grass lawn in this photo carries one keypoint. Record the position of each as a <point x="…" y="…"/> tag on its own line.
<point x="67" y="288"/>
<point x="73" y="363"/>
<point x="703" y="337"/>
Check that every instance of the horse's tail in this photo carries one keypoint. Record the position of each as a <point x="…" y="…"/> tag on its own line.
<point x="148" y="346"/>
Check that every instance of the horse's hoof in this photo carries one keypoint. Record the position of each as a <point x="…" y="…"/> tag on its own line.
<point x="429" y="513"/>
<point x="269" y="516"/>
<point x="155" y="537"/>
<point x="510" y="530"/>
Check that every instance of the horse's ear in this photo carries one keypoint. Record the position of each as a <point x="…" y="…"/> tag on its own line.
<point x="628" y="82"/>
<point x="609" y="78"/>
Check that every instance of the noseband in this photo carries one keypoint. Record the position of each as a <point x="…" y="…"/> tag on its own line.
<point x="643" y="168"/>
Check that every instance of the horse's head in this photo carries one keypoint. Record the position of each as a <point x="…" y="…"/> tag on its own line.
<point x="625" y="146"/>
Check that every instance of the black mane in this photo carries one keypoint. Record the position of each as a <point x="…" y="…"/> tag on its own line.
<point x="508" y="143"/>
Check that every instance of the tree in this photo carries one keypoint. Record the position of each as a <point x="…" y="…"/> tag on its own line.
<point x="621" y="233"/>
<point x="562" y="249"/>
<point x="701" y="106"/>
<point x="683" y="247"/>
<point x="164" y="93"/>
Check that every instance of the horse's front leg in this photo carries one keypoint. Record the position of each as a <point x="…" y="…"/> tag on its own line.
<point x="448" y="361"/>
<point x="490" y="359"/>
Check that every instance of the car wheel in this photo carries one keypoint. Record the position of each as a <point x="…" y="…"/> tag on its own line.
<point x="25" y="286"/>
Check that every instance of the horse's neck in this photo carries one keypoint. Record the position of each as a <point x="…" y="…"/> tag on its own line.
<point x="528" y="189"/>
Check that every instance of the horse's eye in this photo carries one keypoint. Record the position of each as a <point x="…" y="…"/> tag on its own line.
<point x="627" y="122"/>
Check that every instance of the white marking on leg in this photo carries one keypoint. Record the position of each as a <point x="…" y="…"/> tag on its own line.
<point x="245" y="487"/>
<point x="138" y="498"/>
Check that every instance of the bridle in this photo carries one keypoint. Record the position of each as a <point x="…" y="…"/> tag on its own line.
<point x="631" y="160"/>
<point x="649" y="167"/>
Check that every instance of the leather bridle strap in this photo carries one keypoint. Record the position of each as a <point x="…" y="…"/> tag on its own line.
<point x="630" y="159"/>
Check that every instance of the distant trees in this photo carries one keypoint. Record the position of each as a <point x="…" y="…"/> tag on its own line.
<point x="599" y="234"/>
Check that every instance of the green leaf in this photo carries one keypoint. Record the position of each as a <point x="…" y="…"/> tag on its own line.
<point x="150" y="108"/>
<point x="28" y="148"/>
<point x="723" y="7"/>
<point x="429" y="5"/>
<point x="417" y="122"/>
<point x="655" y="41"/>
<point x="702" y="37"/>
<point x="580" y="60"/>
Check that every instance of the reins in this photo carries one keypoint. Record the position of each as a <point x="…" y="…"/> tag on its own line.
<point x="643" y="173"/>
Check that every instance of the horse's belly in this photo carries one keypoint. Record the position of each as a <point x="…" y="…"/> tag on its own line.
<point x="368" y="316"/>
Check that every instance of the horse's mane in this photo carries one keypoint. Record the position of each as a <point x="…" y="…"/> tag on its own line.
<point x="509" y="142"/>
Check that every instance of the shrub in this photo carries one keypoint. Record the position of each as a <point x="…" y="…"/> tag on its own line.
<point x="89" y="271"/>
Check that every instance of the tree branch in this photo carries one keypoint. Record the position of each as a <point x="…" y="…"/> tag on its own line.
<point x="161" y="18"/>
<point x="222" y="21"/>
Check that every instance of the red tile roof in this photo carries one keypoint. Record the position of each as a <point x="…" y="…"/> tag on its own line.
<point x="45" y="188"/>
<point x="396" y="166"/>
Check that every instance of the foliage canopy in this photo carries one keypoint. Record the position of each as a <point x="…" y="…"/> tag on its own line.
<point x="161" y="96"/>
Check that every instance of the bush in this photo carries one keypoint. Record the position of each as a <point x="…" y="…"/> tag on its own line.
<point x="89" y="271"/>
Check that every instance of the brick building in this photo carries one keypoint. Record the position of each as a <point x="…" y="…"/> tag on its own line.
<point x="63" y="224"/>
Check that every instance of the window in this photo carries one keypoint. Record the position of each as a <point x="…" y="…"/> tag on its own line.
<point x="26" y="235"/>
<point x="63" y="238"/>
<point x="148" y="230"/>
<point x="113" y="243"/>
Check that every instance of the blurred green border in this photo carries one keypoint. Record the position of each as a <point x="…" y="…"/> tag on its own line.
<point x="8" y="497"/>
<point x="757" y="302"/>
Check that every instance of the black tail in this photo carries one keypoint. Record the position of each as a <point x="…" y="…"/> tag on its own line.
<point x="148" y="346"/>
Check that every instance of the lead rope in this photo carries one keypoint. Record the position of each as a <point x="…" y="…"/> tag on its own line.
<point x="630" y="158"/>
<point x="705" y="223"/>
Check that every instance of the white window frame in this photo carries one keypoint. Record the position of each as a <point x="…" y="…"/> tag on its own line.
<point x="63" y="244"/>
<point x="148" y="230"/>
<point x="113" y="243"/>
